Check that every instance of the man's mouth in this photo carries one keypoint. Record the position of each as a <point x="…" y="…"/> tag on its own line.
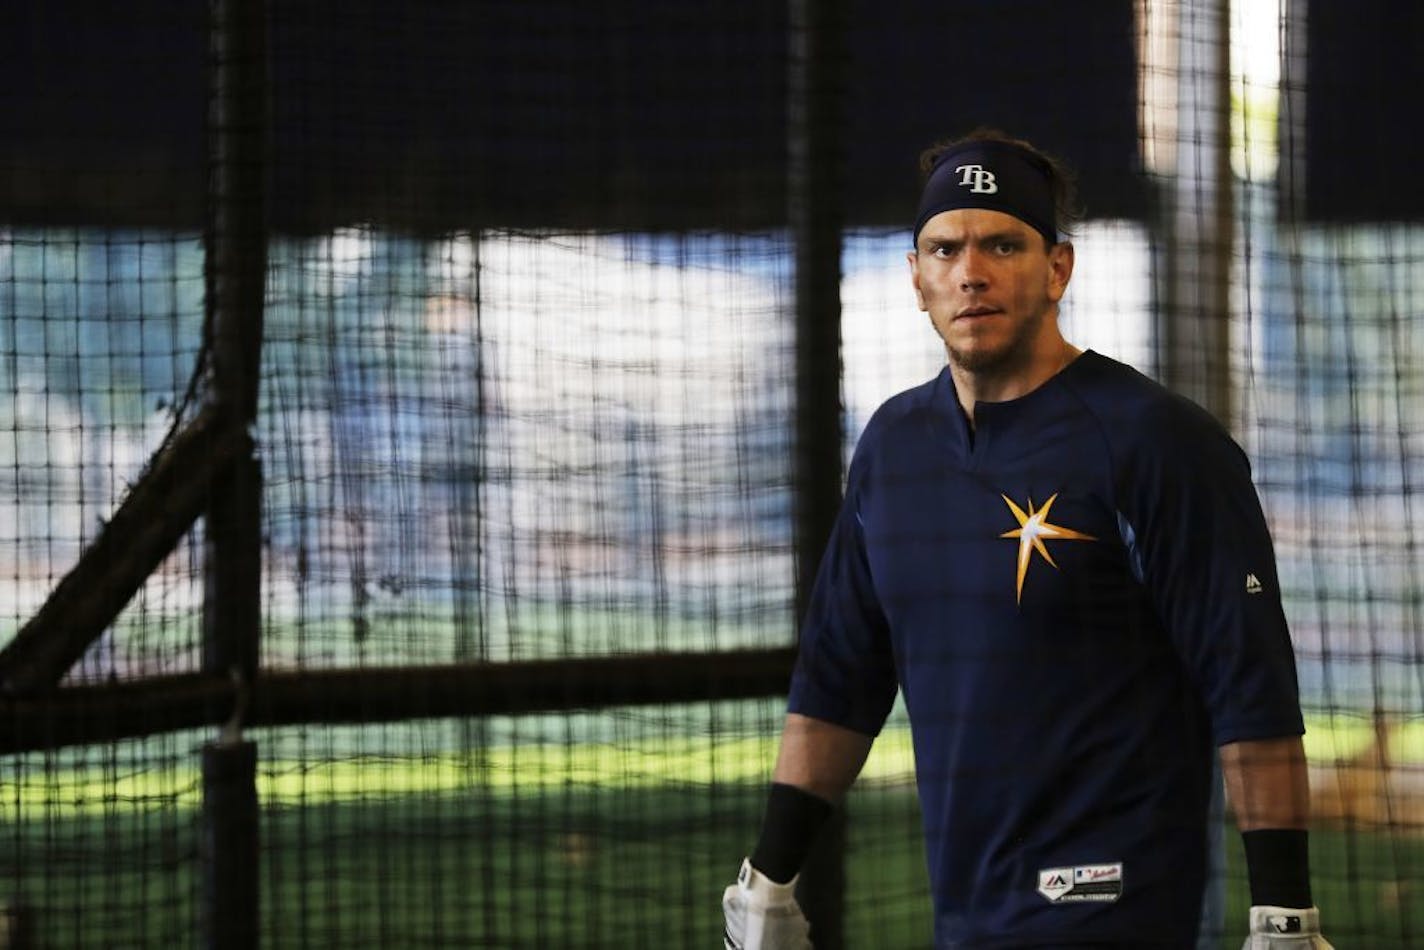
<point x="971" y="312"/>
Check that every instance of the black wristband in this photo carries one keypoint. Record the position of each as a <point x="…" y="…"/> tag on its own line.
<point x="793" y="817"/>
<point x="1278" y="865"/>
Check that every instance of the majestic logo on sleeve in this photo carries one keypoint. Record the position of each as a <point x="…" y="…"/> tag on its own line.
<point x="1034" y="528"/>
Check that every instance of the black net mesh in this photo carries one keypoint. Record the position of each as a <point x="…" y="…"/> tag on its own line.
<point x="527" y="396"/>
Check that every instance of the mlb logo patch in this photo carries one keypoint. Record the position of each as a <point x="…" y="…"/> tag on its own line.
<point x="1086" y="882"/>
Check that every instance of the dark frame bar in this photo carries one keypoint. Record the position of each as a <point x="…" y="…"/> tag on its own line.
<point x="160" y="508"/>
<point x="816" y="111"/>
<point x="236" y="275"/>
<point x="83" y="715"/>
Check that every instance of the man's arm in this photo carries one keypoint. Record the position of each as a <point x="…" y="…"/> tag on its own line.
<point x="1266" y="783"/>
<point x="819" y="757"/>
<point x="817" y="763"/>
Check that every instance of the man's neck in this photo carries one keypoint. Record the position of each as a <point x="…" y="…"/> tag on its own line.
<point x="973" y="388"/>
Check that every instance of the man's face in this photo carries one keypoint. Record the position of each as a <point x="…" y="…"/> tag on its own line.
<point x="989" y="285"/>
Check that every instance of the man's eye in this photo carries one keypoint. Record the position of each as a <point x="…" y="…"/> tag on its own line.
<point x="1005" y="248"/>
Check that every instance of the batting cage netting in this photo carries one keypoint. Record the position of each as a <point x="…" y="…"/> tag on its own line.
<point x="419" y="423"/>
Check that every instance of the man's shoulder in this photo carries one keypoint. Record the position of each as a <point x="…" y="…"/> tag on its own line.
<point x="906" y="408"/>
<point x="1147" y="428"/>
<point x="903" y="425"/>
<point x="1133" y="407"/>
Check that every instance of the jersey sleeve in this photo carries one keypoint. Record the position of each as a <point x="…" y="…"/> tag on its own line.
<point x="1199" y="538"/>
<point x="845" y="672"/>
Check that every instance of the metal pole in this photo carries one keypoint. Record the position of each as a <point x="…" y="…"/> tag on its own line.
<point x="815" y="173"/>
<point x="1194" y="239"/>
<point x="1195" y="223"/>
<point x="236" y="260"/>
<point x="228" y="848"/>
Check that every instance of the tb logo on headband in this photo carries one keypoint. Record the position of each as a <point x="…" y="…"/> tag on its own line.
<point x="977" y="179"/>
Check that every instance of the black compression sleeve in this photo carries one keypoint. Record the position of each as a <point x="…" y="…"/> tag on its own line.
<point x="792" y="819"/>
<point x="1278" y="865"/>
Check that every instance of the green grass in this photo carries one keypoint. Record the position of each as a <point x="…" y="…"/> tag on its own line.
<point x="525" y="753"/>
<point x="580" y="866"/>
<point x="608" y="830"/>
<point x="583" y="868"/>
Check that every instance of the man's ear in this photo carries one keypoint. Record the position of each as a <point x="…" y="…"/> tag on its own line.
<point x="914" y="258"/>
<point x="1060" y="268"/>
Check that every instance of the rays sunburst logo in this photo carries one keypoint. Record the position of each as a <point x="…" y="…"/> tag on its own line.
<point x="1034" y="529"/>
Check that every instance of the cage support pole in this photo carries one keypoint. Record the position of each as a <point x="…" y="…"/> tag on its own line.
<point x="816" y="115"/>
<point x="108" y="712"/>
<point x="153" y="517"/>
<point x="1194" y="224"/>
<point x="228" y="848"/>
<point x="1193" y="238"/>
<point x="236" y="262"/>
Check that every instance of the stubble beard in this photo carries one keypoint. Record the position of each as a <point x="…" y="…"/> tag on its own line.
<point x="1014" y="354"/>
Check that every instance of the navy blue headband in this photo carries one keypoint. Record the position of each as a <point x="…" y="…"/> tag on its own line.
<point x="1000" y="176"/>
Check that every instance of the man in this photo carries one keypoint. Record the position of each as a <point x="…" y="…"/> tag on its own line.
<point x="1066" y="571"/>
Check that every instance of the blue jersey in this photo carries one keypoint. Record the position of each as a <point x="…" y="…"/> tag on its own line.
<point x="1078" y="599"/>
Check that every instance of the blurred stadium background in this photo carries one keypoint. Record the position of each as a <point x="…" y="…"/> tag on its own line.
<point x="417" y="420"/>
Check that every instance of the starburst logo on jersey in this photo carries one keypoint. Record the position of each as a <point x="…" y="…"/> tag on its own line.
<point x="1035" y="528"/>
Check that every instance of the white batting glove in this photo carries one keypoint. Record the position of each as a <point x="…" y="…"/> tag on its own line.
<point x="1285" y="928"/>
<point x="763" y="915"/>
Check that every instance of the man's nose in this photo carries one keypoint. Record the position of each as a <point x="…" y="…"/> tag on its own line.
<point x="972" y="273"/>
